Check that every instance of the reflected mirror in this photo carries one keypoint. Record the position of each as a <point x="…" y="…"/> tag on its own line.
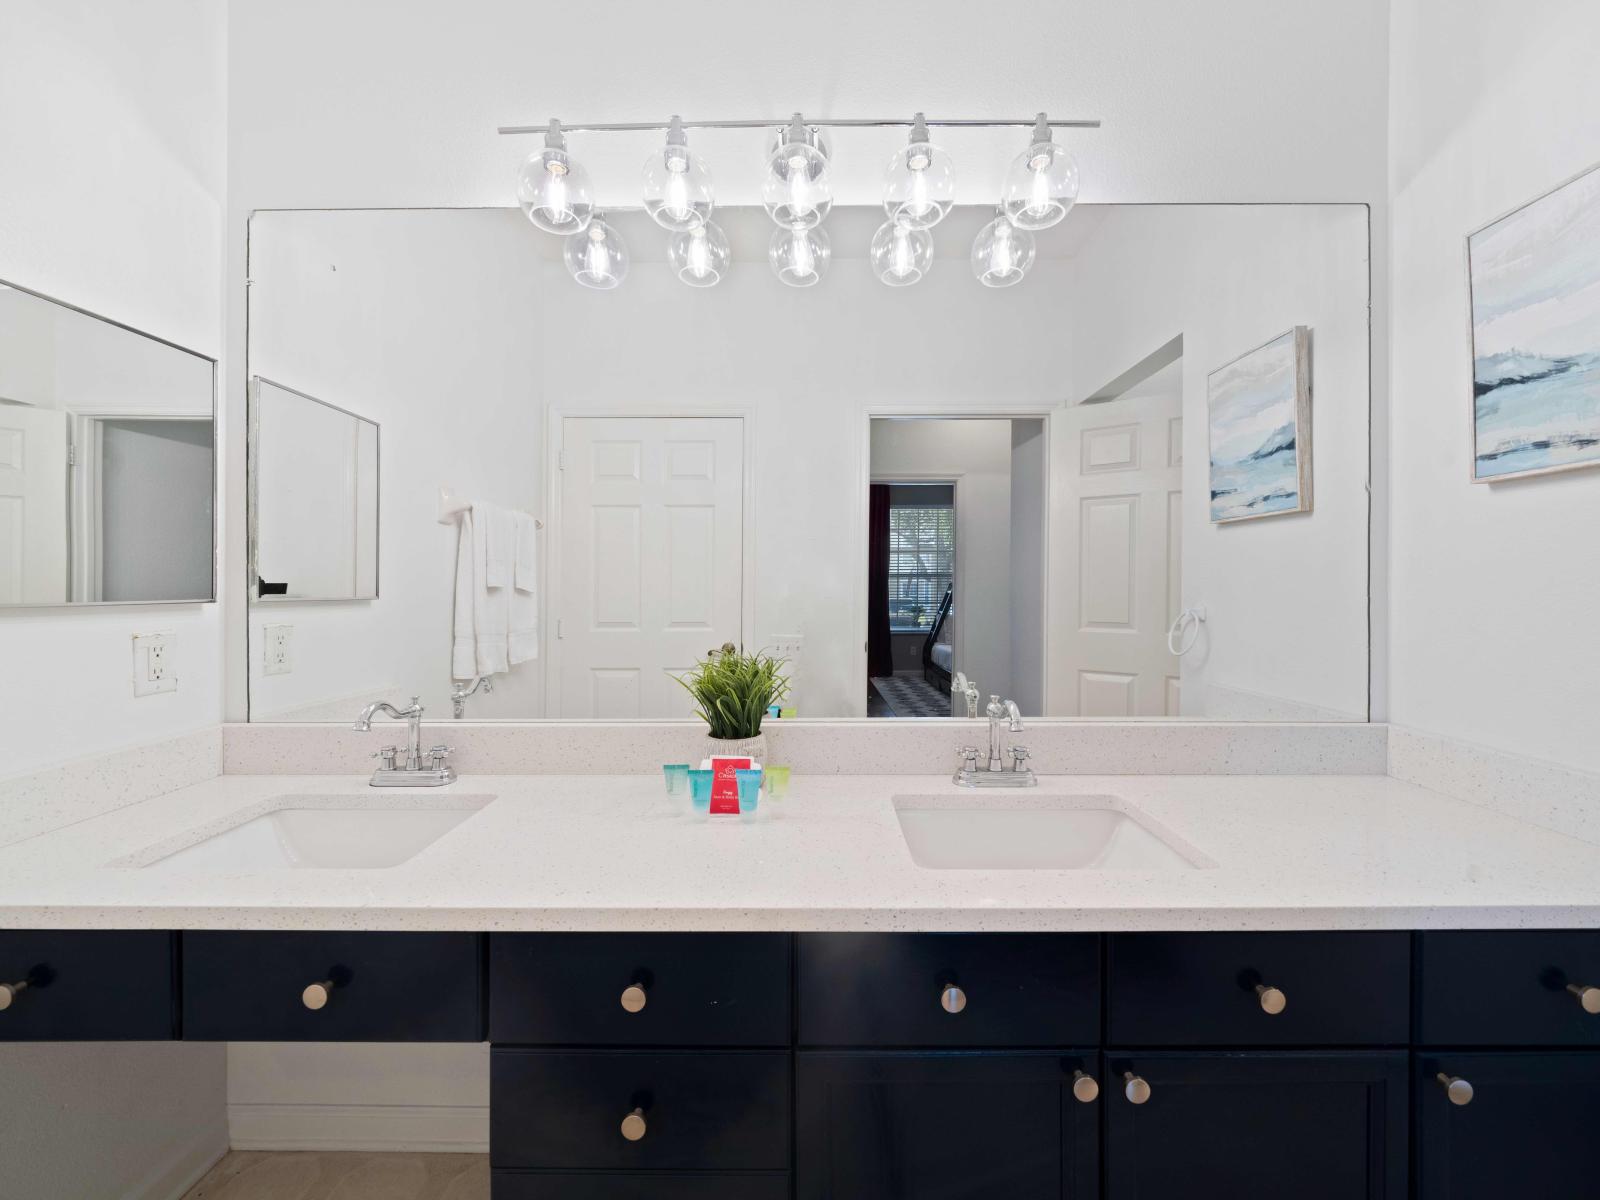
<point x="107" y="461"/>
<point x="314" y="498"/>
<point x="1133" y="485"/>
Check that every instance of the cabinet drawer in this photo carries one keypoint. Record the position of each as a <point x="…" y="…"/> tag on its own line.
<point x="894" y="989"/>
<point x="1528" y="1129"/>
<point x="1220" y="989"/>
<point x="713" y="989"/>
<point x="1520" y="987"/>
<point x="378" y="987"/>
<point x="701" y="1110"/>
<point x="539" y="1185"/>
<point x="1314" y="1126"/>
<point x="87" y="986"/>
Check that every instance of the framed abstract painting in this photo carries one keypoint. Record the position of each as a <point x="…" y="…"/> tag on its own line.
<point x="1259" y="426"/>
<point x="1534" y="280"/>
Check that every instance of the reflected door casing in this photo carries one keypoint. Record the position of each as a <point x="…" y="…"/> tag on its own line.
<point x="651" y="567"/>
<point x="1125" y="462"/>
<point x="33" y="505"/>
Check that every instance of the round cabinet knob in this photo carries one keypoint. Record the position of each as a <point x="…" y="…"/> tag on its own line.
<point x="952" y="999"/>
<point x="633" y="1125"/>
<point x="1456" y="1088"/>
<point x="10" y="991"/>
<point x="1273" y="1001"/>
<point x="633" y="998"/>
<point x="317" y="995"/>
<point x="1084" y="1088"/>
<point x="1588" y="997"/>
<point x="1135" y="1088"/>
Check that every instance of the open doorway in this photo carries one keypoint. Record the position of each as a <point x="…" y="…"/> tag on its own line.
<point x="955" y="578"/>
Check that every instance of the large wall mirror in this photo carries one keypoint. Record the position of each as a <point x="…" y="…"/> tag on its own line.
<point x="107" y="461"/>
<point x="1133" y="485"/>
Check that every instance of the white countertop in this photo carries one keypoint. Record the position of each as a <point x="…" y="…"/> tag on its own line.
<point x="614" y="853"/>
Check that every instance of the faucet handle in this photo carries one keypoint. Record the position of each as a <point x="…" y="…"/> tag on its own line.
<point x="388" y="754"/>
<point x="1019" y="755"/>
<point x="969" y="755"/>
<point x="438" y="756"/>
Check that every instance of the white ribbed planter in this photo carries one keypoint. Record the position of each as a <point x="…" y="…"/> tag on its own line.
<point x="752" y="748"/>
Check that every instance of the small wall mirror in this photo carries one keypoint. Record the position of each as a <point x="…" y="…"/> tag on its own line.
<point x="107" y="461"/>
<point x="314" y="498"/>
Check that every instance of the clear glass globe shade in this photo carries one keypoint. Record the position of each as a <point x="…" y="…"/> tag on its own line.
<point x="796" y="191"/>
<point x="1041" y="186"/>
<point x="900" y="255"/>
<point x="596" y="256"/>
<point x="920" y="186"/>
<point x="1001" y="253"/>
<point x="700" y="256"/>
<point x="554" y="192"/>
<point x="799" y="256"/>
<point x="677" y="189"/>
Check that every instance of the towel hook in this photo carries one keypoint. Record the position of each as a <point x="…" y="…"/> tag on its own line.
<point x="1188" y="623"/>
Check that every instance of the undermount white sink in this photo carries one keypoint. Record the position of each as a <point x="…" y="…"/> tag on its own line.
<point x="314" y="831"/>
<point x="1038" y="833"/>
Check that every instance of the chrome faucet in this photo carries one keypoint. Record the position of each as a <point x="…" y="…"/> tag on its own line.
<point x="458" y="696"/>
<point x="413" y="774"/>
<point x="996" y="774"/>
<point x="961" y="686"/>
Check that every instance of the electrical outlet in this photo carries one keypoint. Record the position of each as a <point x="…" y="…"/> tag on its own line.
<point x="275" y="652"/>
<point x="153" y="670"/>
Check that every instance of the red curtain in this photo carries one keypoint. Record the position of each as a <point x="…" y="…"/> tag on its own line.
<point x="880" y="655"/>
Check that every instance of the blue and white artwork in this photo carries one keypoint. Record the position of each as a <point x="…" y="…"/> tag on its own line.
<point x="1260" y="426"/>
<point x="1535" y="280"/>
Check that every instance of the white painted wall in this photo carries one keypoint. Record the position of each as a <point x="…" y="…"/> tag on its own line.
<point x="1494" y="632"/>
<point x="976" y="455"/>
<point x="1286" y="631"/>
<point x="111" y="131"/>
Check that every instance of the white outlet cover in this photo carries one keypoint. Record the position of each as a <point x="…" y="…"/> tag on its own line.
<point x="277" y="649"/>
<point x="153" y="669"/>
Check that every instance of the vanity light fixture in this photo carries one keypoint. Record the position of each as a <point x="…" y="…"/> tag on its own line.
<point x="677" y="185"/>
<point x="796" y="190"/>
<point x="1001" y="253"/>
<point x="596" y="255"/>
<point x="799" y="256"/>
<point x="552" y="189"/>
<point x="1041" y="185"/>
<point x="920" y="184"/>
<point x="700" y="256"/>
<point x="901" y="254"/>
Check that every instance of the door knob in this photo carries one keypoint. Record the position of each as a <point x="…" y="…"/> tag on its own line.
<point x="633" y="1125"/>
<point x="1456" y="1088"/>
<point x="1587" y="996"/>
<point x="1084" y="1088"/>
<point x="952" y="999"/>
<point x="317" y="995"/>
<point x="1273" y="1001"/>
<point x="10" y="991"/>
<point x="1135" y="1088"/>
<point x="633" y="998"/>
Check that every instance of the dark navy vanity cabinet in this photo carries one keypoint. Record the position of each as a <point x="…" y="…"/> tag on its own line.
<point x="737" y="1066"/>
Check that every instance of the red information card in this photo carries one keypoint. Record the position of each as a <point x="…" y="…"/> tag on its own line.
<point x="724" y="786"/>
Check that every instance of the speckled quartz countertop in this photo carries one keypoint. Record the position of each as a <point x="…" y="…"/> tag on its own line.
<point x="614" y="853"/>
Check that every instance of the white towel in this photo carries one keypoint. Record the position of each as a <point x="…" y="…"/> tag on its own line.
<point x="499" y="542"/>
<point x="496" y="626"/>
<point x="523" y="621"/>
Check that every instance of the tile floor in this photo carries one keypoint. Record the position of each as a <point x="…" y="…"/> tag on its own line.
<point x="285" y="1175"/>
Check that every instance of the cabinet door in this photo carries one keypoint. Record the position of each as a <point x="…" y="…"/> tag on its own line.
<point x="1529" y="1128"/>
<point x="945" y="1126"/>
<point x="1313" y="1126"/>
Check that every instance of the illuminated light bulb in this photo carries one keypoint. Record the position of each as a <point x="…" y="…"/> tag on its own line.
<point x="1002" y="253"/>
<point x="799" y="256"/>
<point x="900" y="254"/>
<point x="796" y="190"/>
<point x="552" y="190"/>
<point x="1041" y="184"/>
<point x="700" y="257"/>
<point x="677" y="184"/>
<point x="596" y="256"/>
<point x="919" y="185"/>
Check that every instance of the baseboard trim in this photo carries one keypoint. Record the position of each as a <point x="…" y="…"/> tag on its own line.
<point x="184" y="1169"/>
<point x="418" y="1128"/>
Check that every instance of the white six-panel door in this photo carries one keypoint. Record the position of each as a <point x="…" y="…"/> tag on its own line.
<point x="33" y="505"/>
<point x="651" y="560"/>
<point x="1124" y="544"/>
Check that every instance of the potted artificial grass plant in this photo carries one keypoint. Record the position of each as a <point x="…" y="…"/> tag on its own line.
<point x="732" y="692"/>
